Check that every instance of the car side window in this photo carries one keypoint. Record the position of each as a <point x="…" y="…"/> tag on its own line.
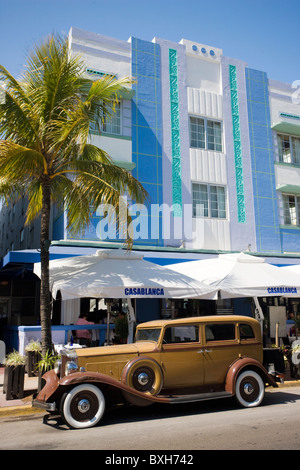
<point x="220" y="332"/>
<point x="181" y="334"/>
<point x="246" y="331"/>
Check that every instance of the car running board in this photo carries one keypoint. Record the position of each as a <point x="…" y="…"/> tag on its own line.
<point x="198" y="397"/>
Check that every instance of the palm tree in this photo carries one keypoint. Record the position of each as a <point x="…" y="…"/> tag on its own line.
<point x="45" y="151"/>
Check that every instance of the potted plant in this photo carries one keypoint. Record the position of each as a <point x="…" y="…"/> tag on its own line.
<point x="33" y="352"/>
<point x="14" y="372"/>
<point x="46" y="363"/>
<point x="121" y="328"/>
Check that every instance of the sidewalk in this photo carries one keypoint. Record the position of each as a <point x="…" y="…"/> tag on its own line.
<point x="19" y="406"/>
<point x="23" y="406"/>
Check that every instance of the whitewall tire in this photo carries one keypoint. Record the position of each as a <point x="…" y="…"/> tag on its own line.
<point x="249" y="389"/>
<point x="83" y="406"/>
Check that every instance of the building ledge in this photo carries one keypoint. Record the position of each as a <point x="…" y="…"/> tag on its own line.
<point x="287" y="128"/>
<point x="288" y="188"/>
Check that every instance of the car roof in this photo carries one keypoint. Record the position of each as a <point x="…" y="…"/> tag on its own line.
<point x="190" y="320"/>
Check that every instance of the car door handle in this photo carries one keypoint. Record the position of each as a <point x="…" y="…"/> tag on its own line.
<point x="202" y="351"/>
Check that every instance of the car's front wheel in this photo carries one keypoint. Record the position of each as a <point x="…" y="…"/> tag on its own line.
<point x="249" y="389"/>
<point x="83" y="406"/>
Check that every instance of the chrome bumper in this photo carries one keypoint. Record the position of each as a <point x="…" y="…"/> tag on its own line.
<point x="44" y="405"/>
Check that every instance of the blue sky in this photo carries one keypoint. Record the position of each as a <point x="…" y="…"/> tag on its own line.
<point x="263" y="33"/>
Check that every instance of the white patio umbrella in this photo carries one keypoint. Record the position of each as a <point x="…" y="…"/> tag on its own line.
<point x="241" y="275"/>
<point x="291" y="269"/>
<point x="120" y="274"/>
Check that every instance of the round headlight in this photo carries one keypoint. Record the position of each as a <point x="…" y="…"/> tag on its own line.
<point x="57" y="366"/>
<point x="71" y="367"/>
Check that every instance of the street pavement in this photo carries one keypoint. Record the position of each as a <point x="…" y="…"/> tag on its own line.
<point x="23" y="406"/>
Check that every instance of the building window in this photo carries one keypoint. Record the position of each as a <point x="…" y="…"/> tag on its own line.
<point x="205" y="134"/>
<point x="111" y="124"/>
<point x="291" y="209"/>
<point x="197" y="132"/>
<point x="217" y="202"/>
<point x="200" y="200"/>
<point x="21" y="235"/>
<point x="296" y="150"/>
<point x="209" y="201"/>
<point x="214" y="136"/>
<point x="289" y="149"/>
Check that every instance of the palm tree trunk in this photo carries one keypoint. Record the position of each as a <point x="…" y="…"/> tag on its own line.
<point x="45" y="311"/>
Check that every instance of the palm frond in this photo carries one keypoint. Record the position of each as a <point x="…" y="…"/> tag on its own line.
<point x="16" y="121"/>
<point x="52" y="77"/>
<point x="35" y="196"/>
<point x="20" y="164"/>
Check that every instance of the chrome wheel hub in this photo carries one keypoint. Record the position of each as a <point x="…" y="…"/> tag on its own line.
<point x="83" y="405"/>
<point x="143" y="378"/>
<point x="248" y="389"/>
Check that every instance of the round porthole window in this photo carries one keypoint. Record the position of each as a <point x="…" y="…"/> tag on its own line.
<point x="195" y="48"/>
<point x="212" y="53"/>
<point x="203" y="50"/>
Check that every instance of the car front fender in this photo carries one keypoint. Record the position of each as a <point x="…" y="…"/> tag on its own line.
<point x="55" y="387"/>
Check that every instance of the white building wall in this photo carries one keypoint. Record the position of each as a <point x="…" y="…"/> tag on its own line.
<point x="205" y="103"/>
<point x="283" y="99"/>
<point x="208" y="167"/>
<point x="102" y="53"/>
<point x="204" y="96"/>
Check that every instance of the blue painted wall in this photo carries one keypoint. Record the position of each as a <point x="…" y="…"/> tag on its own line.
<point x="262" y="158"/>
<point x="290" y="239"/>
<point x="147" y="129"/>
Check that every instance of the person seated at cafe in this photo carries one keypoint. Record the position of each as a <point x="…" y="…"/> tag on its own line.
<point x="84" y="336"/>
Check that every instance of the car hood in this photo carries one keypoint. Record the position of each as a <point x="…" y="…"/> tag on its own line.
<point x="142" y="347"/>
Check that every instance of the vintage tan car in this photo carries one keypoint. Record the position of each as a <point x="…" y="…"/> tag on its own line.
<point x="170" y="361"/>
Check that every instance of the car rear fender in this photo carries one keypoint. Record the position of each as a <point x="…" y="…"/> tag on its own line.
<point x="243" y="364"/>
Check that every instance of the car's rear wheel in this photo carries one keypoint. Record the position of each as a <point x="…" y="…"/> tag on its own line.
<point x="249" y="389"/>
<point x="82" y="406"/>
<point x="144" y="375"/>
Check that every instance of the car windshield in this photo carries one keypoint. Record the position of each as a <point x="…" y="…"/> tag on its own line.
<point x="147" y="334"/>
